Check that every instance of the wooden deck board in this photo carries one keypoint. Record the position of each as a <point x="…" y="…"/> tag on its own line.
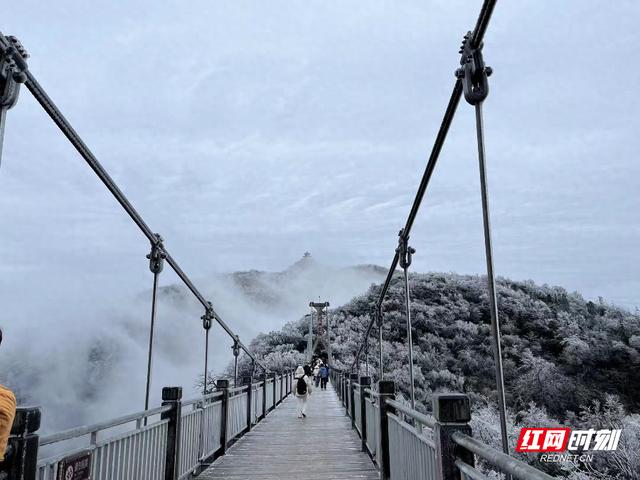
<point x="321" y="446"/>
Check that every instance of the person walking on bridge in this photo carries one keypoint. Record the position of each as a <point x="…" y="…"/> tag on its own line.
<point x="316" y="374"/>
<point x="324" y="376"/>
<point x="303" y="386"/>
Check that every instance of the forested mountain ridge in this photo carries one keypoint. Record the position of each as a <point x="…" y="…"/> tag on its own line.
<point x="566" y="360"/>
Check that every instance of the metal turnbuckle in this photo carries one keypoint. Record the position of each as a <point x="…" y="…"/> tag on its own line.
<point x="207" y="317"/>
<point x="236" y="346"/>
<point x="157" y="255"/>
<point x="473" y="72"/>
<point x="405" y="252"/>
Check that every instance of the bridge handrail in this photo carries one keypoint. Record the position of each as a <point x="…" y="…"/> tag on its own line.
<point x="414" y="414"/>
<point x="183" y="441"/>
<point x="403" y="441"/>
<point x="506" y="463"/>
<point x="208" y="398"/>
<point x="469" y="472"/>
<point x="240" y="389"/>
<point x="96" y="427"/>
<point x="371" y="393"/>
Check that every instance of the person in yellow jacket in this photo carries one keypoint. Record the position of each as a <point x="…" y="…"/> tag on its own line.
<point x="7" y="414"/>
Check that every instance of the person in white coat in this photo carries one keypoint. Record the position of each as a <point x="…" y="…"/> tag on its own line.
<point x="316" y="374"/>
<point x="302" y="386"/>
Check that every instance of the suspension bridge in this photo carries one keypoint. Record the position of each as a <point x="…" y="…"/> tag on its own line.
<point x="247" y="430"/>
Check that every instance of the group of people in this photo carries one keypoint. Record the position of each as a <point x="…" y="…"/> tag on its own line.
<point x="304" y="381"/>
<point x="321" y="374"/>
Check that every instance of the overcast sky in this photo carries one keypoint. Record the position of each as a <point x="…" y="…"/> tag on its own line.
<point x="249" y="132"/>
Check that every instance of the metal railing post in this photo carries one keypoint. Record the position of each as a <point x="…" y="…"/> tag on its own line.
<point x="365" y="382"/>
<point x="345" y="401"/>
<point x="386" y="391"/>
<point x="264" y="394"/>
<point x="452" y="412"/>
<point x="247" y="380"/>
<point x="281" y="380"/>
<point x="275" y="399"/>
<point x="172" y="396"/>
<point x="236" y="351"/>
<point x="343" y="387"/>
<point x="347" y="382"/>
<point x="223" y="386"/>
<point x="21" y="456"/>
<point x="285" y="384"/>
<point x="352" y="400"/>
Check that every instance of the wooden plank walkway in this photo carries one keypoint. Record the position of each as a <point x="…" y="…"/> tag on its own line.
<point x="319" y="447"/>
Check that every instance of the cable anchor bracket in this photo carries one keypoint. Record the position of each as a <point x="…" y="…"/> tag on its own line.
<point x="208" y="317"/>
<point x="13" y="65"/>
<point x="404" y="251"/>
<point x="473" y="72"/>
<point x="157" y="255"/>
<point x="236" y="346"/>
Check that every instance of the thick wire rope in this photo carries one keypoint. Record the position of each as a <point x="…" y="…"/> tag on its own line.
<point x="478" y="35"/>
<point x="63" y="124"/>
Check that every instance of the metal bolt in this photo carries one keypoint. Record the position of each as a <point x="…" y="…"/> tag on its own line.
<point x="20" y="77"/>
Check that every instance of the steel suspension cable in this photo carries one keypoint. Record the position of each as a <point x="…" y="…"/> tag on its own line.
<point x="478" y="35"/>
<point x="491" y="281"/>
<point x="154" y="296"/>
<point x="64" y="125"/>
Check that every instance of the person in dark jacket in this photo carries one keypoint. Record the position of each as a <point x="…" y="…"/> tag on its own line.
<point x="324" y="377"/>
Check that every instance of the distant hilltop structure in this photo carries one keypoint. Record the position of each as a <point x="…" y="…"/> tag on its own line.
<point x="302" y="264"/>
